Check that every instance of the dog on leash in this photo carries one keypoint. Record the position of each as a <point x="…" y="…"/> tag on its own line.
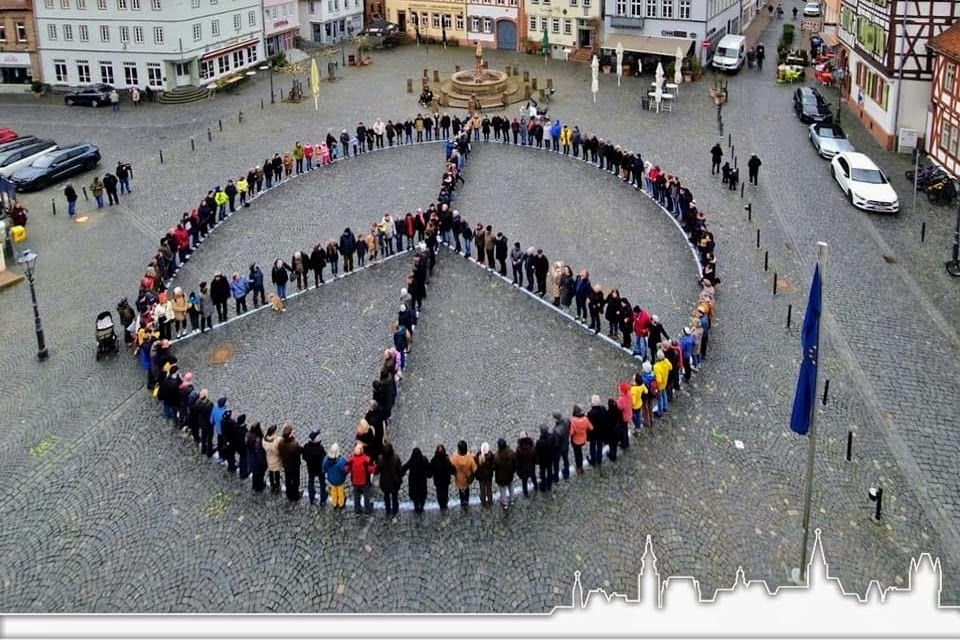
<point x="276" y="302"/>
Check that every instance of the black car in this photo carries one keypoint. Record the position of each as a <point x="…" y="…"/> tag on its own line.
<point x="810" y="106"/>
<point x="92" y="96"/>
<point x="56" y="165"/>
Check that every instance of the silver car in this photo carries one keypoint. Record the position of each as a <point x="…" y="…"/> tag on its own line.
<point x="829" y="139"/>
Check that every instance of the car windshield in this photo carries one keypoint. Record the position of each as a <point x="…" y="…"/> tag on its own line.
<point x="726" y="52"/>
<point x="870" y="176"/>
<point x="43" y="161"/>
<point x="810" y="98"/>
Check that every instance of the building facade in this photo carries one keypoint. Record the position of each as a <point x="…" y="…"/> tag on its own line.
<point x="658" y="27"/>
<point x="281" y="23"/>
<point x="497" y="24"/>
<point x="570" y="24"/>
<point x="163" y="44"/>
<point x="330" y="21"/>
<point x="19" y="60"/>
<point x="435" y="19"/>
<point x="888" y="71"/>
<point x="942" y="134"/>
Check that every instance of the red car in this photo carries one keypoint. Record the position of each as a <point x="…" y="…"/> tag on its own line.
<point x="6" y="135"/>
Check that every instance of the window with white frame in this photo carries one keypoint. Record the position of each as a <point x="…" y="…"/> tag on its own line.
<point x="683" y="10"/>
<point x="104" y="33"/>
<point x="52" y="31"/>
<point x="636" y="8"/>
<point x="21" y="28"/>
<point x="666" y="9"/>
<point x="252" y="54"/>
<point x="64" y="4"/>
<point x="82" y="4"/>
<point x="436" y="20"/>
<point x="533" y="23"/>
<point x="83" y="71"/>
<point x="60" y="70"/>
<point x="195" y="4"/>
<point x="543" y="24"/>
<point x="138" y="35"/>
<point x="651" y="8"/>
<point x="207" y="69"/>
<point x="586" y="4"/>
<point x="124" y="34"/>
<point x="238" y="58"/>
<point x="215" y="27"/>
<point x="106" y="72"/>
<point x="424" y="19"/>
<point x="155" y="5"/>
<point x="573" y="3"/>
<point x="459" y="22"/>
<point x="555" y="25"/>
<point x="237" y="22"/>
<point x="68" y="32"/>
<point x="135" y="5"/>
<point x="567" y="26"/>
<point x="122" y="5"/>
<point x="197" y="31"/>
<point x="311" y="7"/>
<point x="158" y="35"/>
<point x="448" y="20"/>
<point x="534" y="1"/>
<point x="102" y="5"/>
<point x="130" y="74"/>
<point x="949" y="75"/>
<point x="488" y="25"/>
<point x="48" y="4"/>
<point x="621" y="8"/>
<point x="474" y="24"/>
<point x="252" y="18"/>
<point x="84" y="33"/>
<point x="154" y="74"/>
<point x="3" y="32"/>
<point x="223" y="64"/>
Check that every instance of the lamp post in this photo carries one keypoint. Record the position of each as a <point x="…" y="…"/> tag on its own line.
<point x="28" y="260"/>
<point x="953" y="266"/>
<point x="265" y="67"/>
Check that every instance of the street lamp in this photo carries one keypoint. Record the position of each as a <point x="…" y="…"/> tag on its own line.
<point x="28" y="260"/>
<point x="265" y="67"/>
<point x="953" y="266"/>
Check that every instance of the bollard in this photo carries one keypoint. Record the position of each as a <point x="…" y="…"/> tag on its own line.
<point x="731" y="149"/>
<point x="161" y="156"/>
<point x="426" y="73"/>
<point x="436" y="76"/>
<point x="193" y="146"/>
<point x="209" y="135"/>
<point x="766" y="260"/>
<point x="758" y="238"/>
<point x="730" y="140"/>
<point x="734" y="162"/>
<point x="749" y="209"/>
<point x="456" y="68"/>
<point x="240" y="117"/>
<point x="526" y="76"/>
<point x="923" y="232"/>
<point x="549" y="83"/>
<point x="533" y="84"/>
<point x="261" y="103"/>
<point x="53" y="204"/>
<point x="220" y="124"/>
<point x="876" y="495"/>
<point x="409" y="85"/>
<point x="774" y="283"/>
<point x="849" y="455"/>
<point x="85" y="196"/>
<point x="741" y="189"/>
<point x="789" y="314"/>
<point x="826" y="390"/>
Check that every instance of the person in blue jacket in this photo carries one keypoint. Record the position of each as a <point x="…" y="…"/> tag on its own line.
<point x="555" y="134"/>
<point x="687" y="342"/>
<point x="335" y="468"/>
<point x="216" y="419"/>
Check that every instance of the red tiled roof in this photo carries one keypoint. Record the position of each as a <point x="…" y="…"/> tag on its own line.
<point x="947" y="42"/>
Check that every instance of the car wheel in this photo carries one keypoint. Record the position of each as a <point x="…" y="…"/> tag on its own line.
<point x="40" y="184"/>
<point x="94" y="103"/>
<point x="850" y="197"/>
<point x="69" y="102"/>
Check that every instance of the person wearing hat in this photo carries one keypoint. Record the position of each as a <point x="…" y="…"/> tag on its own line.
<point x="361" y="468"/>
<point x="639" y="402"/>
<point x="200" y="425"/>
<point x="600" y="433"/>
<point x="485" y="471"/>
<point x="465" y="466"/>
<point x="289" y="450"/>
<point x="661" y="371"/>
<point x="417" y="469"/>
<point x="220" y="294"/>
<point x="335" y="468"/>
<point x="238" y="445"/>
<point x="257" y="457"/>
<point x="656" y="334"/>
<point x="391" y="478"/>
<point x="504" y="469"/>
<point x="315" y="455"/>
<point x="649" y="383"/>
<point x="526" y="462"/>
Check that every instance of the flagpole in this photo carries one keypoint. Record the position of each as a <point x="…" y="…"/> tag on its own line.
<point x="812" y="435"/>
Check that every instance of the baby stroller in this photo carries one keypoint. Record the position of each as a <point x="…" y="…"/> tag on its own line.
<point x="106" y="336"/>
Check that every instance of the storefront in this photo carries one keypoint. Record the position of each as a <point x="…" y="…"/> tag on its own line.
<point x="15" y="68"/>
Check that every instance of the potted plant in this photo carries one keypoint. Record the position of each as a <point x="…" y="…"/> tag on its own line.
<point x="696" y="68"/>
<point x="671" y="70"/>
<point x="37" y="87"/>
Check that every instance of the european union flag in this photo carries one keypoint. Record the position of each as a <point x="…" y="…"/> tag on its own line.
<point x="806" y="396"/>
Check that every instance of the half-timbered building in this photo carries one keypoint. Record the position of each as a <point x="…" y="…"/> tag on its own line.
<point x="943" y="131"/>
<point x="888" y="67"/>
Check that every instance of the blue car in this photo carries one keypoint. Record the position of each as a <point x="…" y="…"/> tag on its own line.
<point x="56" y="165"/>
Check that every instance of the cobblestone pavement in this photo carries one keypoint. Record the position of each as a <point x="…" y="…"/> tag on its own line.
<point x="110" y="511"/>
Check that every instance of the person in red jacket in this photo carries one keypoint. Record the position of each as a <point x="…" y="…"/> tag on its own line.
<point x="182" y="236"/>
<point x="361" y="468"/>
<point x="409" y="228"/>
<point x="625" y="405"/>
<point x="308" y="155"/>
<point x="641" y="329"/>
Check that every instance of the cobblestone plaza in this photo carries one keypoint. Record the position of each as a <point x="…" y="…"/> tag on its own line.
<point x="106" y="508"/>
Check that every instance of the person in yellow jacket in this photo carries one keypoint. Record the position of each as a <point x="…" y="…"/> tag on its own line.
<point x="96" y="188"/>
<point x="638" y="392"/>
<point x="221" y="199"/>
<point x="242" y="188"/>
<point x="566" y="135"/>
<point x="661" y="370"/>
<point x="298" y="156"/>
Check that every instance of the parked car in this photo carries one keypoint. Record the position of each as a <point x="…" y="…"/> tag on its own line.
<point x="19" y="142"/>
<point x="91" y="96"/>
<point x="810" y="106"/>
<point x="730" y="54"/>
<point x="864" y="183"/>
<point x="14" y="159"/>
<point x="812" y="10"/>
<point x="6" y="135"/>
<point x="829" y="139"/>
<point x="56" y="165"/>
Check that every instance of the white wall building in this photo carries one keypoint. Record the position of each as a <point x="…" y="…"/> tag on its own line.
<point x="658" y="27"/>
<point x="160" y="43"/>
<point x="569" y="23"/>
<point x="495" y="23"/>
<point x="330" y="21"/>
<point x="281" y="22"/>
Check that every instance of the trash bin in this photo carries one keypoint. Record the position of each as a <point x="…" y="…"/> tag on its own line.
<point x="645" y="103"/>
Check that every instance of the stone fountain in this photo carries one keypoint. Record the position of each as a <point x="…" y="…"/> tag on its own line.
<point x="481" y="86"/>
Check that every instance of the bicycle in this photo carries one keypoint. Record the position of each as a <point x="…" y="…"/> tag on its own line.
<point x="941" y="193"/>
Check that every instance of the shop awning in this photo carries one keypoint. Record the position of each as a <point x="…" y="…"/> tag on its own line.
<point x="830" y="39"/>
<point x="654" y="45"/>
<point x="233" y="47"/>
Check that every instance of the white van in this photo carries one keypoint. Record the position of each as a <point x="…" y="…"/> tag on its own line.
<point x="731" y="53"/>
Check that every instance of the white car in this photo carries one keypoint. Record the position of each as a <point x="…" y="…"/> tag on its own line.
<point x="14" y="159"/>
<point x="812" y="10"/>
<point x="864" y="183"/>
<point x="829" y="139"/>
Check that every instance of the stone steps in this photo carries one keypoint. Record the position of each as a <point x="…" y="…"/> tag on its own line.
<point x="183" y="95"/>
